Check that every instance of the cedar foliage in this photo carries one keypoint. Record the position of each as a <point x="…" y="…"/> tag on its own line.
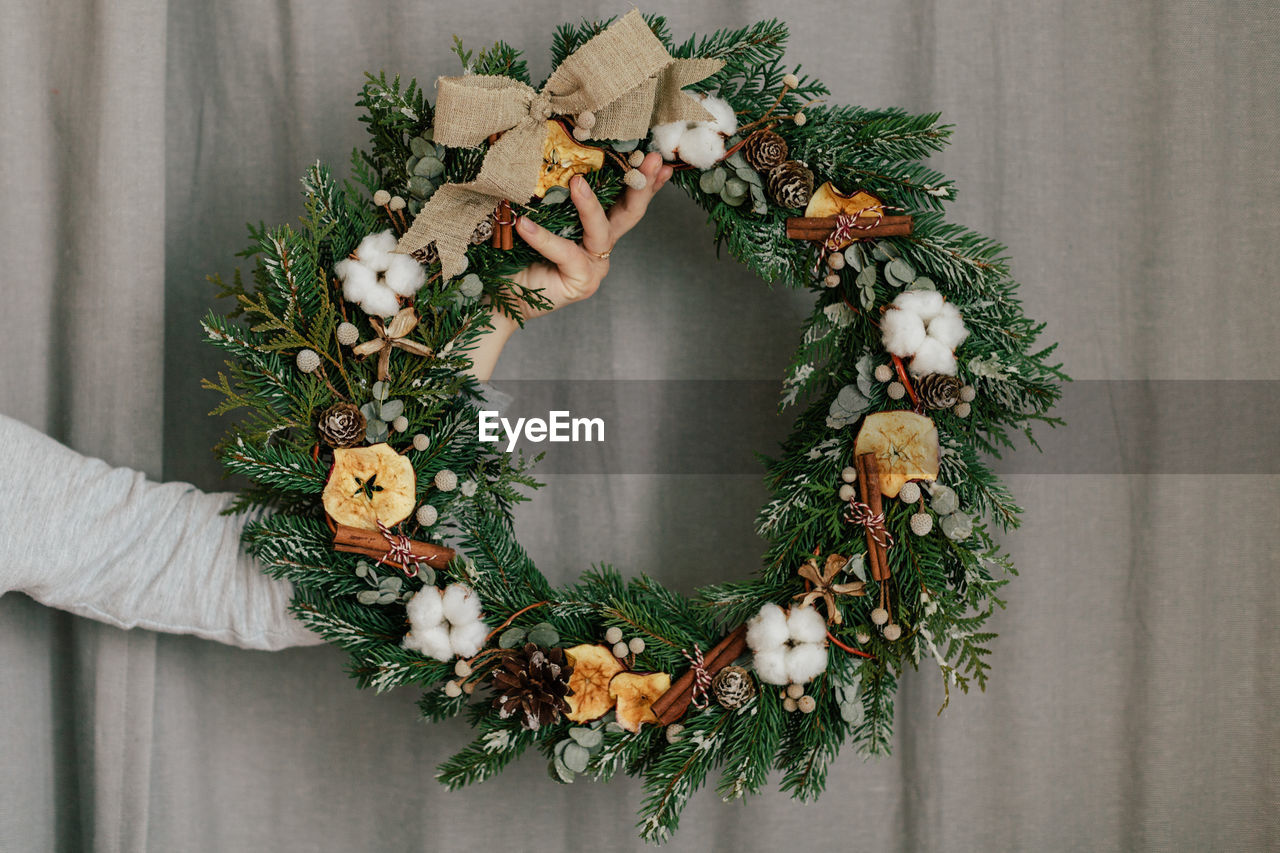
<point x="291" y="301"/>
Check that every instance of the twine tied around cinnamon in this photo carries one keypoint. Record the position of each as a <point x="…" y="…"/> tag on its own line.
<point x="821" y="586"/>
<point x="861" y="514"/>
<point x="623" y="75"/>
<point x="701" y="677"/>
<point x="393" y="335"/>
<point x="399" y="550"/>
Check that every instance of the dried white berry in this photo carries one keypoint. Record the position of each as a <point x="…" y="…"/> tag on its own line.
<point x="795" y="691"/>
<point x="461" y="669"/>
<point x="883" y="373"/>
<point x="862" y="637"/>
<point x="896" y="390"/>
<point x="800" y="119"/>
<point x="807" y="704"/>
<point x="674" y="733"/>
<point x="892" y="632"/>
<point x="909" y="493"/>
<point x="849" y="474"/>
<point x="635" y="158"/>
<point x="790" y="81"/>
<point x="847" y="492"/>
<point x="832" y="280"/>
<point x="620" y="650"/>
<point x="586" y="119"/>
<point x="381" y="197"/>
<point x="396" y="203"/>
<point x="879" y="616"/>
<point x="446" y="480"/>
<point x="635" y="179"/>
<point x="453" y="689"/>
<point x="636" y="645"/>
<point x="427" y="515"/>
<point x="308" y="360"/>
<point x="835" y="260"/>
<point x="348" y="334"/>
<point x="962" y="410"/>
<point x="921" y="523"/>
<point x="421" y="442"/>
<point x="581" y="134"/>
<point x="967" y="393"/>
<point x="789" y="704"/>
<point x="613" y="635"/>
<point x="400" y="424"/>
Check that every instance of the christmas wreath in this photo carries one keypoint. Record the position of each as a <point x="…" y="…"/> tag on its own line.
<point x="348" y="349"/>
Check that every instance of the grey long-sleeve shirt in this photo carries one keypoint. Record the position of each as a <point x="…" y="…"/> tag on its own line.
<point x="106" y="543"/>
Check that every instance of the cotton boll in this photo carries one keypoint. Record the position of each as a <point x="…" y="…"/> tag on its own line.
<point x="432" y="642"/>
<point x="925" y="304"/>
<point x="805" y="662"/>
<point x="771" y="666"/>
<point x="461" y="604"/>
<point x="933" y="357"/>
<point x="701" y="147"/>
<point x="375" y="250"/>
<point x="466" y="640"/>
<point x="404" y="275"/>
<point x="947" y="328"/>
<point x="903" y="332"/>
<point x="666" y="137"/>
<point x="358" y="281"/>
<point x="768" y="628"/>
<point x="380" y="302"/>
<point x="806" y="625"/>
<point x="724" y="120"/>
<point x="425" y="609"/>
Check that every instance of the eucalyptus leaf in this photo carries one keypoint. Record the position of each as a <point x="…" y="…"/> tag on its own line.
<point x="391" y="410"/>
<point x="387" y="597"/>
<point x="867" y="296"/>
<point x="587" y="737"/>
<point x="561" y="773"/>
<point x="884" y="252"/>
<point x="367" y="596"/>
<point x="380" y="391"/>
<point x="511" y="638"/>
<point x="851" y="399"/>
<point x="900" y="270"/>
<point x="867" y="278"/>
<point x="852" y="713"/>
<point x="857" y="566"/>
<point x="429" y="167"/>
<point x="737" y="161"/>
<point x="427" y="575"/>
<point x="544" y="635"/>
<point x="391" y="583"/>
<point x="732" y="200"/>
<point x="866" y="374"/>
<point x="375" y="432"/>
<point x="576" y="757"/>
<point x="418" y="146"/>
<point x="626" y="145"/>
<point x="751" y="176"/>
<point x="362" y="569"/>
<point x="712" y="180"/>
<point x="420" y="186"/>
<point x="855" y="256"/>
<point x="411" y="164"/>
<point x="922" y="283"/>
<point x="555" y="195"/>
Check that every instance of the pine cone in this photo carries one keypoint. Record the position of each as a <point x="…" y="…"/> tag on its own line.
<point x="534" y="682"/>
<point x="733" y="687"/>
<point x="483" y="232"/>
<point x="790" y="184"/>
<point x="341" y="425"/>
<point x="763" y="150"/>
<point x="938" y="391"/>
<point x="427" y="255"/>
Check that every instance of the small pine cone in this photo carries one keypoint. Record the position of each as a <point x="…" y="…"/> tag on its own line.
<point x="341" y="425"/>
<point x="427" y="255"/>
<point x="938" y="391"/>
<point x="483" y="232"/>
<point x="533" y="683"/>
<point x="790" y="184"/>
<point x="763" y="150"/>
<point x="733" y="687"/>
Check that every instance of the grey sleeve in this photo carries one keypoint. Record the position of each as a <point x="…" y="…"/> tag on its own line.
<point x="106" y="543"/>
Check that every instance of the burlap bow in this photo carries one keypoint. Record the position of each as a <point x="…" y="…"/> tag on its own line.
<point x="623" y="75"/>
<point x="390" y="337"/>
<point x="824" y="588"/>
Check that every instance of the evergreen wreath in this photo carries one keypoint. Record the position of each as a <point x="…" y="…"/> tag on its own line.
<point x="360" y="430"/>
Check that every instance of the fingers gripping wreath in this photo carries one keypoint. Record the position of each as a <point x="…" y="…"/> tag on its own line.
<point x="348" y="348"/>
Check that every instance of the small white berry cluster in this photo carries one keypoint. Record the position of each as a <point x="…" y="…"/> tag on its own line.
<point x="447" y="623"/>
<point x="880" y="618"/>
<point x="457" y="686"/>
<point x="622" y="646"/>
<point x="795" y="699"/>
<point x="789" y="647"/>
<point x="945" y="503"/>
<point x="896" y="391"/>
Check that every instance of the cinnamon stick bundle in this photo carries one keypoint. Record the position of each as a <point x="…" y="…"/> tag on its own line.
<point x="671" y="706"/>
<point x="371" y="543"/>
<point x="869" y="490"/>
<point x="820" y="227"/>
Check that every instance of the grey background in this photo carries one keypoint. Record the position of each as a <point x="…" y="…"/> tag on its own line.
<point x="1126" y="153"/>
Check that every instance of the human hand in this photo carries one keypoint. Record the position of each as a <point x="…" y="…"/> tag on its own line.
<point x="573" y="271"/>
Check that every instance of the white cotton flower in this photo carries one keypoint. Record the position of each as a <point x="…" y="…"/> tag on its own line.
<point x="724" y="120"/>
<point x="666" y="137"/>
<point x="377" y="276"/>
<point x="788" y="647"/>
<point x="701" y="147"/>
<point x="444" y="625"/>
<point x="924" y="328"/>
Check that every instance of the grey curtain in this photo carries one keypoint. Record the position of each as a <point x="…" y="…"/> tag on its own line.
<point x="1126" y="153"/>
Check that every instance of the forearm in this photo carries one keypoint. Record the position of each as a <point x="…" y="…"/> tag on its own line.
<point x="484" y="355"/>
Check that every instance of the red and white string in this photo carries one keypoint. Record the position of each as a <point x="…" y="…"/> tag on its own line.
<point x="860" y="513"/>
<point x="400" y="550"/>
<point x="701" y="678"/>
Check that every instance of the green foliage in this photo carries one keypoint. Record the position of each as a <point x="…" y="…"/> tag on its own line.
<point x="943" y="592"/>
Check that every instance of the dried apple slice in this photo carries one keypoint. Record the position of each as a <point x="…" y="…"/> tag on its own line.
<point x="563" y="157"/>
<point x="593" y="668"/>
<point x="829" y="201"/>
<point x="369" y="484"/>
<point x="905" y="445"/>
<point x="635" y="693"/>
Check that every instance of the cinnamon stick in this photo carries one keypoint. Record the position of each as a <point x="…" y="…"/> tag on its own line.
<point x="864" y="495"/>
<point x="671" y="706"/>
<point x="820" y="227"/>
<point x="371" y="543"/>
<point x="867" y="462"/>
